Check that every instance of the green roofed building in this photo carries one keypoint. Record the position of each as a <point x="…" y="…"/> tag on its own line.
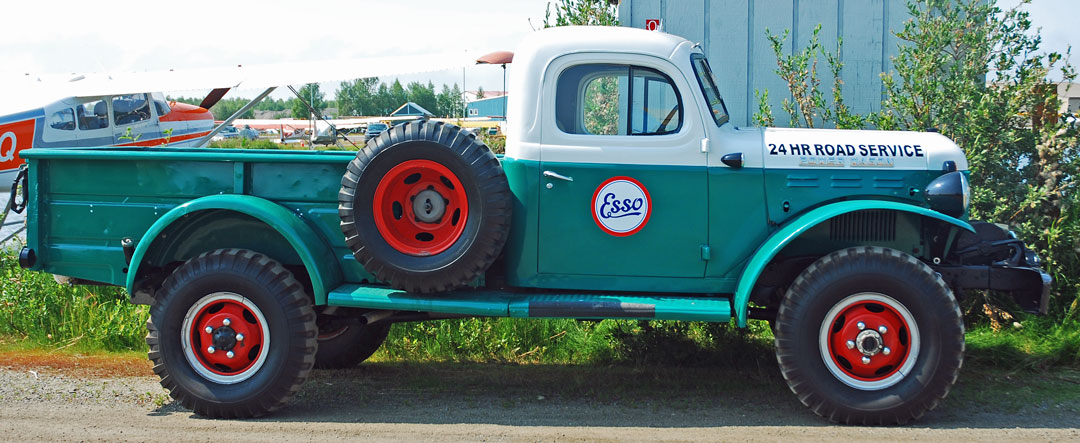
<point x="410" y="109"/>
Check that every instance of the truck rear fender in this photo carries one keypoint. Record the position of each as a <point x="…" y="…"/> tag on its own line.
<point x="799" y="225"/>
<point x="312" y="250"/>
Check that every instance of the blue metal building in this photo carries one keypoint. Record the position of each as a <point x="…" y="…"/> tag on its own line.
<point x="494" y="107"/>
<point x="732" y="33"/>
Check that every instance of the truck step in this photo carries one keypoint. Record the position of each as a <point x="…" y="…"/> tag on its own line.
<point x="537" y="305"/>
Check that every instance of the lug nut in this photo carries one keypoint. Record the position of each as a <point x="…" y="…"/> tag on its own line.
<point x="211" y="350"/>
<point x="866" y="360"/>
<point x="859" y="325"/>
<point x="850" y="344"/>
<point x="209" y="329"/>
<point x="239" y="337"/>
<point x="226" y="322"/>
<point x="882" y="329"/>
<point x="886" y="351"/>
<point x="229" y="354"/>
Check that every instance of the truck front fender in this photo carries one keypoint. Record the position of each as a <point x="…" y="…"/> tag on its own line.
<point x="313" y="250"/>
<point x="796" y="227"/>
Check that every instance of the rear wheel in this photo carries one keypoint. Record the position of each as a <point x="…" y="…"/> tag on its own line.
<point x="869" y="336"/>
<point x="232" y="334"/>
<point x="346" y="342"/>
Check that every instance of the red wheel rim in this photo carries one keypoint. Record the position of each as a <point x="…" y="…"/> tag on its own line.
<point x="226" y="337"/>
<point x="870" y="341"/>
<point x="420" y="208"/>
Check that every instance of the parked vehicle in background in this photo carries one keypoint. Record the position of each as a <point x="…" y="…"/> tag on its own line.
<point x="624" y="193"/>
<point x="226" y="133"/>
<point x="374" y="129"/>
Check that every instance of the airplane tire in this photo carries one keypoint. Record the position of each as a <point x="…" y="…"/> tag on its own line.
<point x="425" y="207"/>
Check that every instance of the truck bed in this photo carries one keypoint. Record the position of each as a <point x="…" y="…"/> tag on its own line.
<point x="85" y="201"/>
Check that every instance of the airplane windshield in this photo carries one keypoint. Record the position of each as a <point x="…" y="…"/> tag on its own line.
<point x="130" y="108"/>
<point x="160" y="104"/>
<point x="708" y="88"/>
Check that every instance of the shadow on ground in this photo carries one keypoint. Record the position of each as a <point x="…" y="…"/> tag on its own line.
<point x="591" y="395"/>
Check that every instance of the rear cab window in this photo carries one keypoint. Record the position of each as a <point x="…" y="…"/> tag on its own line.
<point x="615" y="99"/>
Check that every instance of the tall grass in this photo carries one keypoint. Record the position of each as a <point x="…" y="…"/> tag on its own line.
<point x="35" y="311"/>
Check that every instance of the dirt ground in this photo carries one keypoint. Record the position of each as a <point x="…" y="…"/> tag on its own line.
<point x="69" y="397"/>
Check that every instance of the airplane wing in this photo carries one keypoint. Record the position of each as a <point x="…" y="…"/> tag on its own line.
<point x="27" y="92"/>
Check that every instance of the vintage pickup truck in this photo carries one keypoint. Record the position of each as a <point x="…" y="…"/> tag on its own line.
<point x="624" y="193"/>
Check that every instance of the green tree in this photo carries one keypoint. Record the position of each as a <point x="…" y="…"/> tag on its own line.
<point x="423" y="95"/>
<point x="311" y="94"/>
<point x="449" y="102"/>
<point x="479" y="92"/>
<point x="976" y="73"/>
<point x="582" y="12"/>
<point x="357" y="97"/>
<point x="398" y="96"/>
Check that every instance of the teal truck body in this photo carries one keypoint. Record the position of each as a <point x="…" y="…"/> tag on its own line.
<point x="854" y="245"/>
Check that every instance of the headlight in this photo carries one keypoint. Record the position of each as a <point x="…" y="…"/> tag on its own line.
<point x="949" y="194"/>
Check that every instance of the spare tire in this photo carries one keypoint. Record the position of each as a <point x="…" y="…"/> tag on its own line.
<point x="425" y="207"/>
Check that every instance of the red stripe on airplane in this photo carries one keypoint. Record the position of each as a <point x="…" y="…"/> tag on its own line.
<point x="161" y="140"/>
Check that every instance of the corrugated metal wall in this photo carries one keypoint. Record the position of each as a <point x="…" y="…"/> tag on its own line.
<point x="733" y="35"/>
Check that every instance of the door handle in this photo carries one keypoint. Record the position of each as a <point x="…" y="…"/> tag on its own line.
<point x="552" y="174"/>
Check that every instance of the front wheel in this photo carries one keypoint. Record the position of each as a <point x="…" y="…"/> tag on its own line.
<point x="869" y="335"/>
<point x="232" y="334"/>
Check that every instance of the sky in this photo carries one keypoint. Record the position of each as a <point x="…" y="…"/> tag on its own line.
<point x="60" y="37"/>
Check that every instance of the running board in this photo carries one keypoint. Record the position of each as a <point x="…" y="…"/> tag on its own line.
<point x="536" y="305"/>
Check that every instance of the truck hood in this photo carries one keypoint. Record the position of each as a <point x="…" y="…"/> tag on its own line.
<point x="787" y="148"/>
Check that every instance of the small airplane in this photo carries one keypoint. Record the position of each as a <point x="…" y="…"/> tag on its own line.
<point x="128" y="119"/>
<point x="125" y="109"/>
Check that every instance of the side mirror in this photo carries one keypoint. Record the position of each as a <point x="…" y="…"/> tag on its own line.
<point x="735" y="159"/>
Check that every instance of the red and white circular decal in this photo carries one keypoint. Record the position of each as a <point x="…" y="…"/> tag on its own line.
<point x="621" y="206"/>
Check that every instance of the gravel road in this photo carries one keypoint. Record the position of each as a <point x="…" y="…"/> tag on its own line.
<point x="492" y="402"/>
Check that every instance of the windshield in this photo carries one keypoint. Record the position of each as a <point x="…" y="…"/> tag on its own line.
<point x="708" y="88"/>
<point x="376" y="127"/>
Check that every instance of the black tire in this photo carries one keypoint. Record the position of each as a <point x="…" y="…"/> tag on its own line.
<point x="488" y="202"/>
<point x="270" y="305"/>
<point x="869" y="283"/>
<point x="346" y="342"/>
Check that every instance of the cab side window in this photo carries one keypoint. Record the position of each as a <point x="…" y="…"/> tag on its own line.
<point x="130" y="108"/>
<point x="63" y="120"/>
<point x="609" y="99"/>
<point x="93" y="115"/>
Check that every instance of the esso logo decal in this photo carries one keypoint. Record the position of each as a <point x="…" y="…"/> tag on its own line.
<point x="621" y="206"/>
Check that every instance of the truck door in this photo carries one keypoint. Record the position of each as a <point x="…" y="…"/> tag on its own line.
<point x="623" y="186"/>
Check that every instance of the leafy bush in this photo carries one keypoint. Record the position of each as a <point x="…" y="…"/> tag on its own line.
<point x="975" y="73"/>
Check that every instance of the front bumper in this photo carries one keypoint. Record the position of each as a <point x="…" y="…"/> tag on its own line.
<point x="1029" y="286"/>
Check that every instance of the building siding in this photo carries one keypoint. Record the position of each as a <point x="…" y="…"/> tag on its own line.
<point x="488" y="107"/>
<point x="732" y="32"/>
